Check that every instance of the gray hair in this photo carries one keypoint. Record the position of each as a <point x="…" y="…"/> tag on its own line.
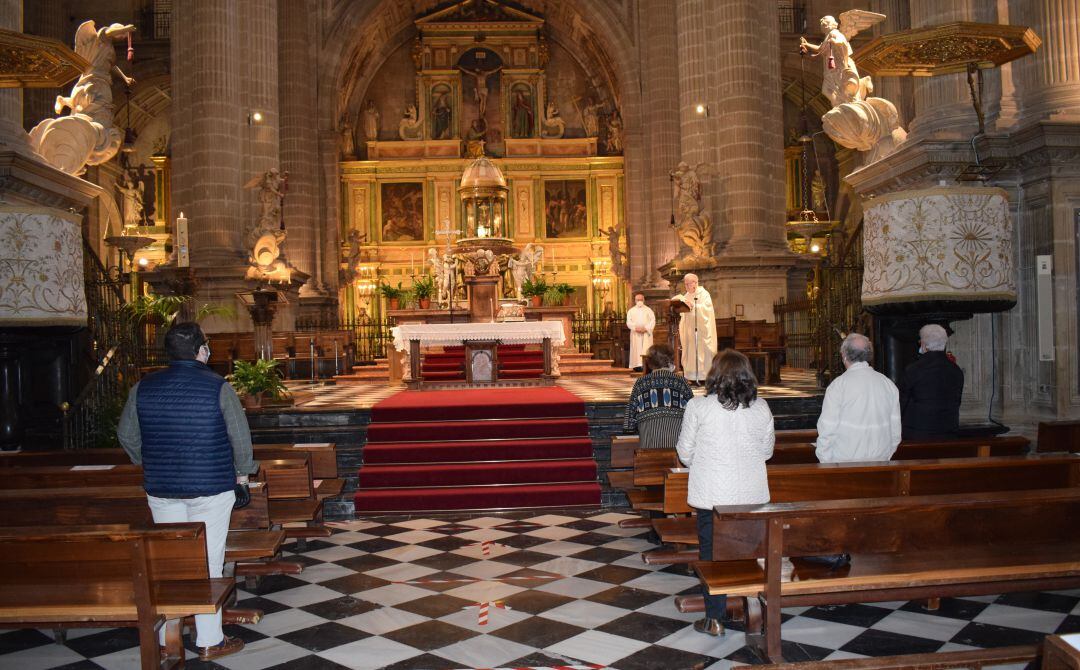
<point x="856" y="348"/>
<point x="933" y="337"/>
<point x="688" y="275"/>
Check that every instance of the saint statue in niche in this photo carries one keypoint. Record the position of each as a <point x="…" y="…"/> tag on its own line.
<point x="371" y="121"/>
<point x="522" y="117"/>
<point x="441" y="113"/>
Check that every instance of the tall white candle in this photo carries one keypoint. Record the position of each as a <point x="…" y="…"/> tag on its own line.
<point x="183" y="254"/>
<point x="554" y="268"/>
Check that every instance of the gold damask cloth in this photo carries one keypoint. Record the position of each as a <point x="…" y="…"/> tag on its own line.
<point x="41" y="267"/>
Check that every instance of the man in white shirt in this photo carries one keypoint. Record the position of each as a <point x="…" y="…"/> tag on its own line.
<point x="641" y="320"/>
<point x="697" y="330"/>
<point x="860" y="416"/>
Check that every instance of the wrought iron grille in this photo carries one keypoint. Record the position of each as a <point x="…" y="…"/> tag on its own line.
<point x="371" y="337"/>
<point x="792" y="17"/>
<point x="588" y="329"/>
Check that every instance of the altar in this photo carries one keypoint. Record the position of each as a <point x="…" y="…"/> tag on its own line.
<point x="481" y="344"/>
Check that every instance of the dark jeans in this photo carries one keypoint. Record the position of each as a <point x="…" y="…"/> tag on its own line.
<point x="715" y="606"/>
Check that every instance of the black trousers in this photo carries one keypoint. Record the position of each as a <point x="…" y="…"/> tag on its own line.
<point x="715" y="606"/>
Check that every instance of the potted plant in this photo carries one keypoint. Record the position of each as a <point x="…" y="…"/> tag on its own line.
<point x="161" y="311"/>
<point x="393" y="295"/>
<point x="558" y="294"/>
<point x="534" y="289"/>
<point x="423" y="288"/>
<point x="258" y="382"/>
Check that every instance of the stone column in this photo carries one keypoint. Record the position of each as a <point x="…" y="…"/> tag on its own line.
<point x="897" y="90"/>
<point x="12" y="135"/>
<point x="943" y="107"/>
<point x="259" y="95"/>
<point x="1049" y="81"/>
<point x="299" y="146"/>
<point x="209" y="127"/>
<point x="655" y="243"/>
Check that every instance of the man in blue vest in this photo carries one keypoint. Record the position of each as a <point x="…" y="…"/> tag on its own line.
<point x="187" y="428"/>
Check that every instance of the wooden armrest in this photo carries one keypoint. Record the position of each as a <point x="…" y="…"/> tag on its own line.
<point x="646" y="499"/>
<point x="247" y="545"/>
<point x="329" y="488"/>
<point x="202" y="596"/>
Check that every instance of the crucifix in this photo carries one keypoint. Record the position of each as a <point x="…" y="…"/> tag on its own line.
<point x="448" y="258"/>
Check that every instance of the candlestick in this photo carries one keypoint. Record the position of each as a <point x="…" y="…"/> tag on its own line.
<point x="554" y="267"/>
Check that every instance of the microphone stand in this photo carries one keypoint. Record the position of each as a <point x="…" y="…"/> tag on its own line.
<point x="697" y="343"/>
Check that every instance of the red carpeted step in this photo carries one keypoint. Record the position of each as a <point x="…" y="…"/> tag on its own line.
<point x="489" y="450"/>
<point x="440" y="366"/>
<point x="477" y="497"/>
<point x="477" y="474"/>
<point x="547" y="401"/>
<point x="489" y="429"/>
<point x="521" y="374"/>
<point x="443" y="375"/>
<point x="521" y="364"/>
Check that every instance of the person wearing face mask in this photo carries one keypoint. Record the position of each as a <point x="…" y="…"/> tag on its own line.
<point x="641" y="320"/>
<point x="657" y="401"/>
<point x="187" y="428"/>
<point x="930" y="390"/>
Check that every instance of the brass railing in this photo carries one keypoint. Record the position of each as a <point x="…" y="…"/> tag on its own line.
<point x="588" y="329"/>
<point x="91" y="419"/>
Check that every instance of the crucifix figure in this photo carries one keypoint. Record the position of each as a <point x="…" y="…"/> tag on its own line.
<point x="480" y="85"/>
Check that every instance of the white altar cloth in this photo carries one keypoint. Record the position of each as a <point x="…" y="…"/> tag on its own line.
<point x="449" y="334"/>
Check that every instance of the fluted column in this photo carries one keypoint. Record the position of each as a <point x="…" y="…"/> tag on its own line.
<point x="943" y="106"/>
<point x="655" y="242"/>
<point x="259" y="81"/>
<point x="299" y="145"/>
<point x="897" y="90"/>
<point x="12" y="135"/>
<point x="748" y="130"/>
<point x="1049" y="81"/>
<point x="209" y="127"/>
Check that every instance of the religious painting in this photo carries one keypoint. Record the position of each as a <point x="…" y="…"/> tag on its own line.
<point x="565" y="208"/>
<point x="402" y="212"/>
<point x="442" y="113"/>
<point x="522" y="111"/>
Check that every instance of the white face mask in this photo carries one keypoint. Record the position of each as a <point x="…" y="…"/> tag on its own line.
<point x="204" y="354"/>
<point x="922" y="349"/>
<point x="639" y="303"/>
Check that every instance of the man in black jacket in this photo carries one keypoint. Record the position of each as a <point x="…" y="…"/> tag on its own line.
<point x="930" y="390"/>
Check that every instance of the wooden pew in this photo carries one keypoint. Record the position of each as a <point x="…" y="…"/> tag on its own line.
<point x="111" y="575"/>
<point x="903" y="548"/>
<point x="1058" y="436"/>
<point x="831" y="481"/>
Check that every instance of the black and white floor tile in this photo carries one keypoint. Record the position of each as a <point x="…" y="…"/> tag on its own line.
<point x="531" y="590"/>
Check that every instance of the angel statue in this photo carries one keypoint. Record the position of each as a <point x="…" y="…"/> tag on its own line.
<point x="442" y="268"/>
<point x="266" y="236"/>
<point x="132" y="191"/>
<point x="87" y="136"/>
<point x="693" y="225"/>
<point x="856" y="120"/>
<point x="618" y="256"/>
<point x="525" y="266"/>
<point x="409" y="128"/>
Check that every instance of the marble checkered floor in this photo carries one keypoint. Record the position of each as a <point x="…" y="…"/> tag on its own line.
<point x="590" y="388"/>
<point x="531" y="590"/>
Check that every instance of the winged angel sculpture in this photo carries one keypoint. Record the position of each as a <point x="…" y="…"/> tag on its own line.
<point x="856" y="120"/>
<point x="690" y="220"/>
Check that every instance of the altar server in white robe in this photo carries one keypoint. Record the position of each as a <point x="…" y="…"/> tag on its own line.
<point x="641" y="320"/>
<point x="697" y="330"/>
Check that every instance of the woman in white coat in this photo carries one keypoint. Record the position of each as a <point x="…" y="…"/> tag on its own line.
<point x="726" y="437"/>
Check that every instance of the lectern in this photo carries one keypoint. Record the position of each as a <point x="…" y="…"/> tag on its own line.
<point x="676" y="308"/>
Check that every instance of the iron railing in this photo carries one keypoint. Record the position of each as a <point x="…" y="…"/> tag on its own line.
<point x="796" y="319"/>
<point x="371" y="337"/>
<point x="792" y="17"/>
<point x="157" y="21"/>
<point x="91" y="419"/>
<point x="588" y="329"/>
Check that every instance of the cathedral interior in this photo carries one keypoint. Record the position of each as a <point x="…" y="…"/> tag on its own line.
<point x="307" y="177"/>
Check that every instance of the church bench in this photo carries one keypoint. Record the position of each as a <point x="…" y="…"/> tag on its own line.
<point x="253" y="543"/>
<point x="833" y="481"/>
<point x="323" y="455"/>
<point x="114" y="575"/>
<point x="1058" y="436"/>
<point x="903" y="548"/>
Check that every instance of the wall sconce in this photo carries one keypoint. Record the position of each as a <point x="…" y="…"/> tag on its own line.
<point x="703" y="110"/>
<point x="255" y="117"/>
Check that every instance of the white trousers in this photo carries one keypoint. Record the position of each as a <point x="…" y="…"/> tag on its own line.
<point x="214" y="512"/>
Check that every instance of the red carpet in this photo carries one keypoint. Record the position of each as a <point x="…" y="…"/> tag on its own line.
<point x="477" y="449"/>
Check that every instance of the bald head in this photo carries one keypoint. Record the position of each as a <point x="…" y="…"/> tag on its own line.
<point x="690" y="281"/>
<point x="856" y="348"/>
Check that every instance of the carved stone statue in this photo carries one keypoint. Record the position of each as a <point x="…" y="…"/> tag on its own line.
<point x="618" y="258"/>
<point x="552" y="126"/>
<point x="132" y="191"/>
<point x="356" y="240"/>
<point x="590" y="118"/>
<point x="87" y="136"/>
<point x="371" y="121"/>
<point x="410" y="127"/>
<point x="267" y="235"/>
<point x="442" y="268"/>
<point x="525" y="266"/>
<point x="693" y="225"/>
<point x="614" y="133"/>
<point x="856" y="120"/>
<point x="348" y="142"/>
<point x="480" y="85"/>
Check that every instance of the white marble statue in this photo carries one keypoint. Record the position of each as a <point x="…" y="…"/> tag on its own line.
<point x="856" y="120"/>
<point x="132" y="191"/>
<point x="480" y="86"/>
<point x="693" y="225"/>
<point x="371" y="121"/>
<point x="552" y="126"/>
<point x="267" y="235"/>
<point x="87" y="135"/>
<point x="525" y="266"/>
<point x="442" y="268"/>
<point x="614" y="143"/>
<point x="410" y="127"/>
